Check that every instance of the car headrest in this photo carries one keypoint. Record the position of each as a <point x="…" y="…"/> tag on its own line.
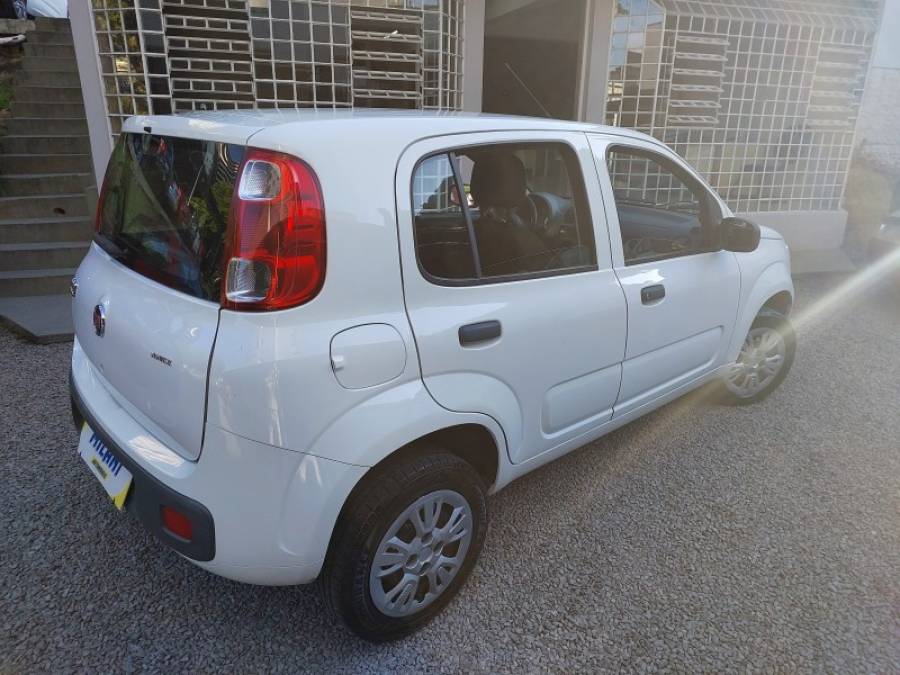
<point x="498" y="180"/>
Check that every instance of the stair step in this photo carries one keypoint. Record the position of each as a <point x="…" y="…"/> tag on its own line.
<point x="45" y="109"/>
<point x="49" y="37"/>
<point x="35" y="50"/>
<point x="51" y="64"/>
<point x="43" y="23"/>
<point x="25" y="184"/>
<point x="54" y="126"/>
<point x="15" y="26"/>
<point x="39" y="255"/>
<point x="46" y="281"/>
<point x="46" y="164"/>
<point x="26" y="93"/>
<point x="44" y="206"/>
<point x="47" y="78"/>
<point x="36" y="230"/>
<point x="44" y="144"/>
<point x="40" y="318"/>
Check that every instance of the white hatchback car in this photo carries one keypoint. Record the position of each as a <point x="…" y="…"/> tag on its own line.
<point x="308" y="344"/>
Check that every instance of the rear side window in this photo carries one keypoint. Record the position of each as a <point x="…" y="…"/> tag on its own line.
<point x="164" y="209"/>
<point x="499" y="212"/>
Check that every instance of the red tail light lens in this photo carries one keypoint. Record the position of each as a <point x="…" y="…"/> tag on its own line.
<point x="276" y="234"/>
<point x="175" y="522"/>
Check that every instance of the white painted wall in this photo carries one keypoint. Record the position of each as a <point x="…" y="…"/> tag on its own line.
<point x="596" y="57"/>
<point x="82" y="23"/>
<point x="473" y="55"/>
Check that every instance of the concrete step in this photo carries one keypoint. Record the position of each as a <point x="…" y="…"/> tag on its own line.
<point x="43" y="23"/>
<point x="25" y="184"/>
<point x="49" y="126"/>
<point x="43" y="144"/>
<point x="47" y="78"/>
<point x="46" y="281"/>
<point x="37" y="230"/>
<point x="34" y="49"/>
<point x="49" y="37"/>
<point x="26" y="93"/>
<point x="47" y="164"/>
<point x="16" y="26"/>
<point x="40" y="255"/>
<point x="44" y="206"/>
<point x="39" y="318"/>
<point x="45" y="109"/>
<point x="52" y="64"/>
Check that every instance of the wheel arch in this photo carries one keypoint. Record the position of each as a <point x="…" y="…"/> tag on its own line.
<point x="773" y="289"/>
<point x="472" y="442"/>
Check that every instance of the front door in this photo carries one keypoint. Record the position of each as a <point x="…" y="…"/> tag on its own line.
<point x="682" y="290"/>
<point x="509" y="288"/>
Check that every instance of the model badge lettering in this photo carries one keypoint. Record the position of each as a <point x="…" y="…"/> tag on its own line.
<point x="162" y="359"/>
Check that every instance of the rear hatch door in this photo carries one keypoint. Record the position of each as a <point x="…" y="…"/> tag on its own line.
<point x="147" y="307"/>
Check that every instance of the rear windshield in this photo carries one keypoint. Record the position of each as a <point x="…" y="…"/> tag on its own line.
<point x="165" y="209"/>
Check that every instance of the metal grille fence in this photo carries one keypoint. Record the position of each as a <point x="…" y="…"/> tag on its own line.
<point x="162" y="56"/>
<point x="761" y="96"/>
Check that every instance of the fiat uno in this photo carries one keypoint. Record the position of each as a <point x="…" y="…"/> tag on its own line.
<point x="309" y="344"/>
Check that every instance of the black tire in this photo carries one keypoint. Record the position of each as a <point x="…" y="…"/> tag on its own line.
<point x="767" y="318"/>
<point x="366" y="518"/>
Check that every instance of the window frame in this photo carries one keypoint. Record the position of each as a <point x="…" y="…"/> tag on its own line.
<point x="711" y="210"/>
<point x="578" y="185"/>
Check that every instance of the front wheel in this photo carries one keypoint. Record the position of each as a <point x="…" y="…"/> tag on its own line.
<point x="405" y="544"/>
<point x="764" y="361"/>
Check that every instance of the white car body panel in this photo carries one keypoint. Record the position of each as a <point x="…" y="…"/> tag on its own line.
<point x="144" y="318"/>
<point x="568" y="329"/>
<point x="294" y="406"/>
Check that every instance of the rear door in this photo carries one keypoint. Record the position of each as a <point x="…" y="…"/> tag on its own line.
<point x="509" y="288"/>
<point x="147" y="305"/>
<point x="682" y="289"/>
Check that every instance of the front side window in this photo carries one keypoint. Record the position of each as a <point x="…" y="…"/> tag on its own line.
<point x="495" y="212"/>
<point x="663" y="211"/>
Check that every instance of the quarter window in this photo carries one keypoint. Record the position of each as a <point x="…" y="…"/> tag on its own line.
<point x="663" y="211"/>
<point x="496" y="212"/>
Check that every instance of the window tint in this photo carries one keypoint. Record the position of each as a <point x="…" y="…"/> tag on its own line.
<point x="662" y="212"/>
<point x="522" y="210"/>
<point x="165" y="207"/>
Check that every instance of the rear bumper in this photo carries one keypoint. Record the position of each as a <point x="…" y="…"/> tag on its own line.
<point x="148" y="495"/>
<point x="266" y="514"/>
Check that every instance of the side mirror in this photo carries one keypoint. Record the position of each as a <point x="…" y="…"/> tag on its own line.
<point x="739" y="235"/>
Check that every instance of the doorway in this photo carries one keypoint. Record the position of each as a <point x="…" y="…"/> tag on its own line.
<point x="532" y="57"/>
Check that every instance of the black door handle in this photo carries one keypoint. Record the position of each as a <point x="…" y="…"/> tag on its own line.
<point x="482" y="331"/>
<point x="652" y="293"/>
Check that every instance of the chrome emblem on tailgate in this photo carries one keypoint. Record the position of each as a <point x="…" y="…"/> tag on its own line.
<point x="99" y="320"/>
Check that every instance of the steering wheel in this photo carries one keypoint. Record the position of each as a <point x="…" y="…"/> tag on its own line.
<point x="524" y="214"/>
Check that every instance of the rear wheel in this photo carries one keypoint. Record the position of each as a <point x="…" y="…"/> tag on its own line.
<point x="405" y="544"/>
<point x="764" y="361"/>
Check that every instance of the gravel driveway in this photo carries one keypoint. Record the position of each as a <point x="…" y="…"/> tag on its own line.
<point x="700" y="538"/>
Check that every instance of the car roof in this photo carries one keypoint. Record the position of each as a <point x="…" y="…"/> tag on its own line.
<point x="235" y="125"/>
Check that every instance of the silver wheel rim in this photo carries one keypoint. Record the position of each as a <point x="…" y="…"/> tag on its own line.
<point x="421" y="553"/>
<point x="761" y="359"/>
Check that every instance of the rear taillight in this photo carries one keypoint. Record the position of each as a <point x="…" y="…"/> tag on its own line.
<point x="276" y="234"/>
<point x="177" y="523"/>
